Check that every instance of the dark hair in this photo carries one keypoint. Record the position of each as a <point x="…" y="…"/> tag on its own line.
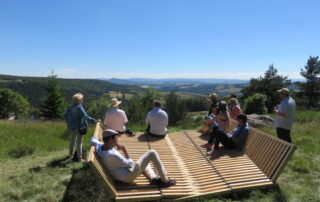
<point x="223" y="106"/>
<point x="107" y="138"/>
<point x="232" y="95"/>
<point x="157" y="103"/>
<point x="242" y="117"/>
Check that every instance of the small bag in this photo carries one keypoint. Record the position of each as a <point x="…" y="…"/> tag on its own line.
<point x="83" y="130"/>
<point x="83" y="126"/>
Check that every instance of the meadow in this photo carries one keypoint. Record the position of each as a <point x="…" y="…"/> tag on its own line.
<point x="34" y="164"/>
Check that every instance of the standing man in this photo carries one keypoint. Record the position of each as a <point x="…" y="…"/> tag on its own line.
<point x="116" y="118"/>
<point x="157" y="121"/>
<point x="284" y="115"/>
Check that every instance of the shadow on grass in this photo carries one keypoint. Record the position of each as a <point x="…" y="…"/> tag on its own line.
<point x="84" y="186"/>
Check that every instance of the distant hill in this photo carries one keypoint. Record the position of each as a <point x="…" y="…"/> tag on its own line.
<point x="34" y="88"/>
<point x="156" y="82"/>
<point x="222" y="87"/>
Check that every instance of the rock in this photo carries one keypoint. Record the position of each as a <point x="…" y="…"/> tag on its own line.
<point x="256" y="120"/>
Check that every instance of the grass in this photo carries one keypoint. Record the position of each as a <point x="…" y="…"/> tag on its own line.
<point x="44" y="173"/>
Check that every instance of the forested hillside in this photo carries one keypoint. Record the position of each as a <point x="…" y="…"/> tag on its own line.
<point x="34" y="88"/>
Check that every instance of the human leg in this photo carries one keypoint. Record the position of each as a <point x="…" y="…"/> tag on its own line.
<point x="142" y="164"/>
<point x="72" y="135"/>
<point x="284" y="134"/>
<point x="79" y="146"/>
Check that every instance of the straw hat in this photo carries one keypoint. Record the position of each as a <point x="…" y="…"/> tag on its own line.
<point x="115" y="102"/>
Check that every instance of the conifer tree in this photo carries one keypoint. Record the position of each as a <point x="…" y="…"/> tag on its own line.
<point x="54" y="104"/>
<point x="311" y="89"/>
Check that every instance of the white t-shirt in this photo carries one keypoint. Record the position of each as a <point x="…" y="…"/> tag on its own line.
<point x="288" y="107"/>
<point x="116" y="164"/>
<point x="116" y="119"/>
<point x="158" y="120"/>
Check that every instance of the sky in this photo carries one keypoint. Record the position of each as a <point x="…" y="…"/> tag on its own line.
<point x="229" y="39"/>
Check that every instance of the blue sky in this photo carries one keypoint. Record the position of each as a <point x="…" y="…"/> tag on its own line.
<point x="157" y="39"/>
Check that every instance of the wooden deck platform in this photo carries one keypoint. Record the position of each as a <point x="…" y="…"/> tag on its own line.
<point x="197" y="174"/>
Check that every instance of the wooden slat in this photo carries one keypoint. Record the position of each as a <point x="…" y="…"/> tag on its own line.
<point x="197" y="175"/>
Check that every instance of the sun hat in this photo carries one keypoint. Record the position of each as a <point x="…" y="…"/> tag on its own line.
<point x="114" y="102"/>
<point x="284" y="91"/>
<point x="108" y="132"/>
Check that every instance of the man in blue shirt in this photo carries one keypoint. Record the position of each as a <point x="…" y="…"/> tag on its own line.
<point x="235" y="139"/>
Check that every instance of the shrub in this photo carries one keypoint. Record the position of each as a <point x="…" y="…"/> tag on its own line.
<point x="20" y="152"/>
<point x="255" y="104"/>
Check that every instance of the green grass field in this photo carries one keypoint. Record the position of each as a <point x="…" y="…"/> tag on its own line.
<point x="34" y="165"/>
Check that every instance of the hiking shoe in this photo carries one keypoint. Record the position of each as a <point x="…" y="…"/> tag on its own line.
<point x="170" y="183"/>
<point x="155" y="181"/>
<point x="207" y="145"/>
<point x="130" y="132"/>
<point x="212" y="152"/>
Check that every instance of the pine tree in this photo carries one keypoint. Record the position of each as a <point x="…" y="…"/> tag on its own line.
<point x="268" y="86"/>
<point x="311" y="89"/>
<point x="175" y="107"/>
<point x="54" y="104"/>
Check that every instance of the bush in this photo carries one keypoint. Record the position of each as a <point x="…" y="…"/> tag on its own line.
<point x="255" y="104"/>
<point x="20" y="152"/>
<point x="12" y="103"/>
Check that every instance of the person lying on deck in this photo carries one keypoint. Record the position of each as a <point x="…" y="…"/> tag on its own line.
<point x="122" y="168"/>
<point x="235" y="139"/>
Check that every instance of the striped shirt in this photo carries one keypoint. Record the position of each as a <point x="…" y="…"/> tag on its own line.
<point x="116" y="119"/>
<point x="224" y="124"/>
<point x="158" y="120"/>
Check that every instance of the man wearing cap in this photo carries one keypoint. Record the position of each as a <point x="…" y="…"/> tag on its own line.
<point x="235" y="139"/>
<point x="116" y="118"/>
<point x="284" y="115"/>
<point x="122" y="168"/>
<point x="157" y="121"/>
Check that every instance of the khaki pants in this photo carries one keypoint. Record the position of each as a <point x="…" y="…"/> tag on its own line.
<point x="143" y="165"/>
<point x="75" y="137"/>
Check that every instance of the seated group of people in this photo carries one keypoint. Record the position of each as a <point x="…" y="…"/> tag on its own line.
<point x="122" y="168"/>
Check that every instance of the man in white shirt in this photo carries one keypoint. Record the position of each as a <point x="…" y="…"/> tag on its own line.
<point x="284" y="115"/>
<point x="157" y="121"/>
<point x="115" y="119"/>
<point x="122" y="168"/>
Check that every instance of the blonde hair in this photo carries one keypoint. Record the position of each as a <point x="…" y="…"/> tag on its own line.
<point x="77" y="97"/>
<point x="233" y="101"/>
<point x="213" y="95"/>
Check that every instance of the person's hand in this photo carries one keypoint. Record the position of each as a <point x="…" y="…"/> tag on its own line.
<point x="120" y="147"/>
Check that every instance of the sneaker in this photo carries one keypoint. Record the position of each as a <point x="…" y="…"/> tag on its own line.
<point x="212" y="152"/>
<point x="207" y="145"/>
<point x="170" y="183"/>
<point x="130" y="132"/>
<point x="155" y="181"/>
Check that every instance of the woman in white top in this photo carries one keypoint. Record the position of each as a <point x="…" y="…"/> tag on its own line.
<point x="123" y="168"/>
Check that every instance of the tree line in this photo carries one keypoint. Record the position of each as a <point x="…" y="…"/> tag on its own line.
<point x="260" y="96"/>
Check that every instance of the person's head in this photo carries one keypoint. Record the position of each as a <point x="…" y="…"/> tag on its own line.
<point x="283" y="93"/>
<point x="223" y="106"/>
<point x="214" y="109"/>
<point x="233" y="101"/>
<point x="213" y="97"/>
<point x="115" y="103"/>
<point x="110" y="137"/>
<point x="77" y="98"/>
<point x="157" y="103"/>
<point x="242" y="119"/>
<point x="232" y="95"/>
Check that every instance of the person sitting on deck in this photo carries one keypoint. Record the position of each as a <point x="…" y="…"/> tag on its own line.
<point x="206" y="128"/>
<point x="157" y="121"/>
<point x="222" y="120"/>
<point x="235" y="108"/>
<point x="235" y="139"/>
<point x="115" y="119"/>
<point x="122" y="168"/>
